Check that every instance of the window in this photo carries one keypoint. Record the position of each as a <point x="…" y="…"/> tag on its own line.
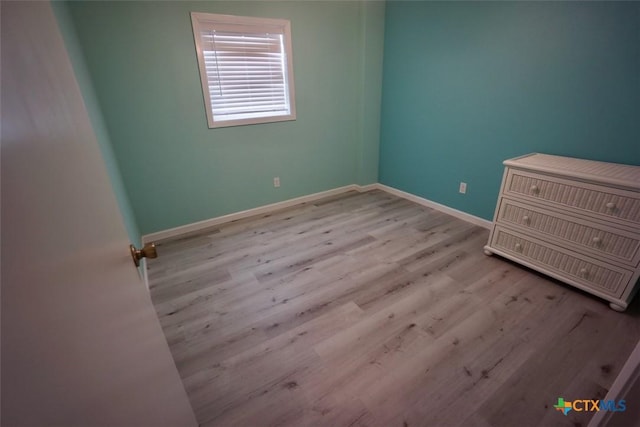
<point x="245" y="68"/>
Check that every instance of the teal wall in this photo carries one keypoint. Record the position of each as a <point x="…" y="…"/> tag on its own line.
<point x="469" y="84"/>
<point x="95" y="115"/>
<point x="141" y="58"/>
<point x="466" y="85"/>
<point x="371" y="51"/>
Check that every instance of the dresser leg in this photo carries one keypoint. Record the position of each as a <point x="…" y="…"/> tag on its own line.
<point x="617" y="307"/>
<point x="487" y="252"/>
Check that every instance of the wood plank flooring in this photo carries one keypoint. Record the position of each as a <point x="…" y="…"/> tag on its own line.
<point x="365" y="309"/>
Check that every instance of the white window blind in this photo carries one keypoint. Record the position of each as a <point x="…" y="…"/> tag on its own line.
<point x="245" y="67"/>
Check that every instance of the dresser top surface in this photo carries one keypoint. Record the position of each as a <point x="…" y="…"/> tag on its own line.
<point x="609" y="173"/>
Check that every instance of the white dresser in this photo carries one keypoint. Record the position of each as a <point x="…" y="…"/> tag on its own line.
<point x="572" y="219"/>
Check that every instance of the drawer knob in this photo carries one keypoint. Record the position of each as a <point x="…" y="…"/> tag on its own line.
<point x="534" y="188"/>
<point x="584" y="272"/>
<point x="526" y="218"/>
<point x="611" y="206"/>
<point x="596" y="240"/>
<point x="518" y="247"/>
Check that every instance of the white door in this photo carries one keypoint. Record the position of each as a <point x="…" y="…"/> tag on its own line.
<point x="81" y="344"/>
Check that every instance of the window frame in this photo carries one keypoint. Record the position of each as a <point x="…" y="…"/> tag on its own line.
<point x="200" y="21"/>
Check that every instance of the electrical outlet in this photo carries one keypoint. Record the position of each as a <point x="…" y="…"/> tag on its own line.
<point x="276" y="181"/>
<point x="463" y="188"/>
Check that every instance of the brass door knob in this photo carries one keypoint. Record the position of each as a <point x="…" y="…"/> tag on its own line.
<point x="148" y="251"/>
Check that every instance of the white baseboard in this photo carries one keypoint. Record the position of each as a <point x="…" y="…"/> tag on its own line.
<point x="201" y="225"/>
<point x="437" y="206"/>
<point x="368" y="187"/>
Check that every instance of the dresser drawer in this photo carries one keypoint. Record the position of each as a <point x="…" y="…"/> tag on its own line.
<point x="591" y="273"/>
<point x="598" y="239"/>
<point x="608" y="203"/>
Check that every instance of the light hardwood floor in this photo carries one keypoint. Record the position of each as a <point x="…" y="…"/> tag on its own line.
<point x="365" y="309"/>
